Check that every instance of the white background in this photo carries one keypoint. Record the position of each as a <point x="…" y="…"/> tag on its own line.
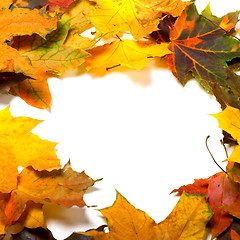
<point x="142" y="132"/>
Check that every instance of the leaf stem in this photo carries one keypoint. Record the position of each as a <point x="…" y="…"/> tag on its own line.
<point x="212" y="155"/>
<point x="113" y="67"/>
<point x="221" y="141"/>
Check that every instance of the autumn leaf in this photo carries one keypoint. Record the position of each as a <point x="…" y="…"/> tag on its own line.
<point x="22" y="21"/>
<point x="202" y="48"/>
<point x="189" y="216"/>
<point x="19" y="22"/>
<point x="219" y="190"/>
<point x="133" y="54"/>
<point x="79" y="23"/>
<point x="232" y="233"/>
<point x="19" y="147"/>
<point x="231" y="95"/>
<point x="138" y="17"/>
<point x="229" y="121"/>
<point x="46" y="56"/>
<point x="64" y="186"/>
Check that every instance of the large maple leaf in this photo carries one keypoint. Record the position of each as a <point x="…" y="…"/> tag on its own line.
<point x="219" y="190"/>
<point x="46" y="55"/>
<point x="133" y="54"/>
<point x="201" y="47"/>
<point x="19" y="147"/>
<point x="187" y="221"/>
<point x="140" y="17"/>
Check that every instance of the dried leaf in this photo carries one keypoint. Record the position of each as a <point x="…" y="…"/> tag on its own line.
<point x="202" y="48"/>
<point x="133" y="54"/>
<point x="140" y="17"/>
<point x="229" y="121"/>
<point x="46" y="56"/>
<point x="63" y="186"/>
<point x="219" y="190"/>
<point x="19" y="22"/>
<point x="189" y="216"/>
<point x="19" y="147"/>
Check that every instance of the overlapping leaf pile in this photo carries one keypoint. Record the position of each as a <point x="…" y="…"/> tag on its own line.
<point x="44" y="37"/>
<point x="23" y="194"/>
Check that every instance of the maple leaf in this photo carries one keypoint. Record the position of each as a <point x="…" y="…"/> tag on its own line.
<point x="19" y="22"/>
<point x="133" y="54"/>
<point x="202" y="48"/>
<point x="140" y="17"/>
<point x="64" y="186"/>
<point x="229" y="121"/>
<point x="46" y="56"/>
<point x="189" y="216"/>
<point x="219" y="190"/>
<point x="19" y="147"/>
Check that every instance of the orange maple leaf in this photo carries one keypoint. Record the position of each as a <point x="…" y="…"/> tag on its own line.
<point x="187" y="221"/>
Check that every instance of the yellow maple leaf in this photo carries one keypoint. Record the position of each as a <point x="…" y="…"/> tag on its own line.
<point x="229" y="121"/>
<point x="129" y="53"/>
<point x="138" y="17"/>
<point x="19" y="147"/>
<point x="187" y="221"/>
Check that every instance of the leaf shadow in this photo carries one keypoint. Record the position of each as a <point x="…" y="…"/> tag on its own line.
<point x="6" y="99"/>
<point x="65" y="216"/>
